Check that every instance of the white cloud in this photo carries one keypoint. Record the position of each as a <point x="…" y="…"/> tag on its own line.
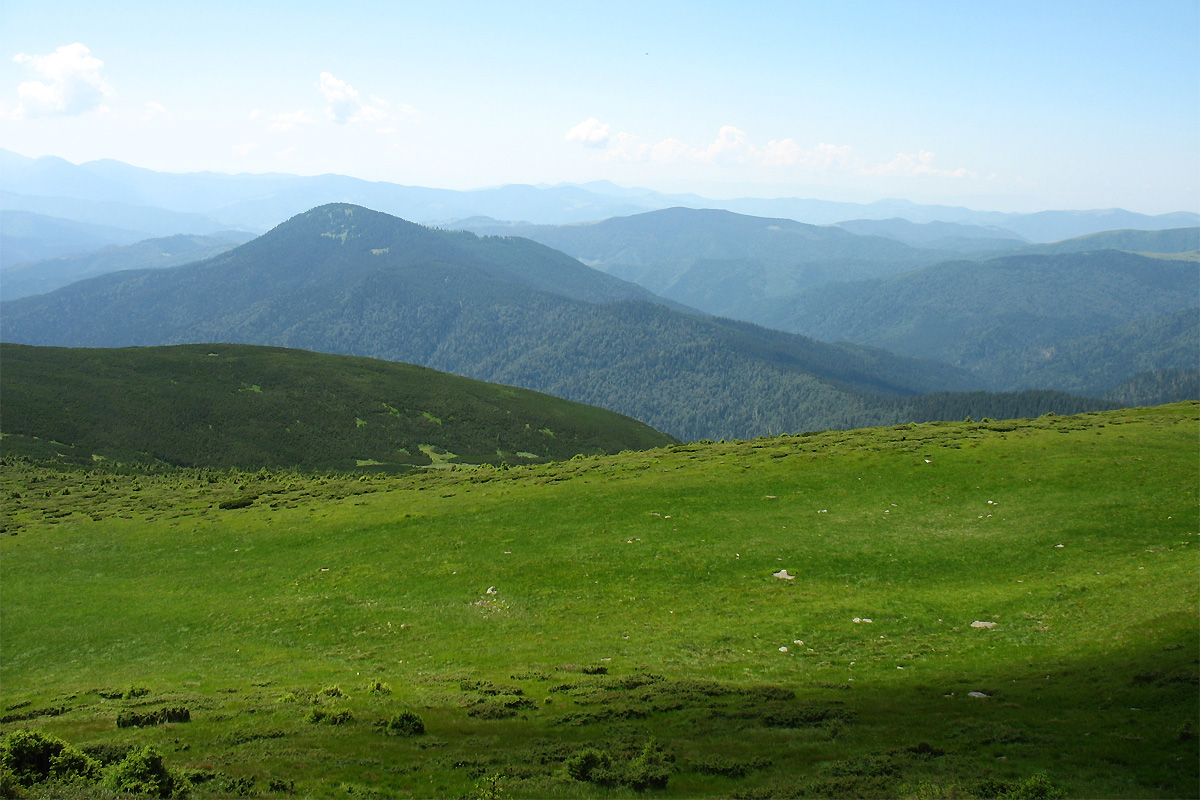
<point x="71" y="84"/>
<point x="345" y="105"/>
<point x="287" y="122"/>
<point x="910" y="165"/>
<point x="255" y="113"/>
<point x="591" y="133"/>
<point x="669" y="150"/>
<point x="626" y="147"/>
<point x="153" y="110"/>
<point x="243" y="149"/>
<point x="733" y="147"/>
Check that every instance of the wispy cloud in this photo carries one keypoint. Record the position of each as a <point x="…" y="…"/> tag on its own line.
<point x="244" y="149"/>
<point x="345" y="106"/>
<point x="70" y="85"/>
<point x="908" y="164"/>
<point x="733" y="147"/>
<point x="153" y="110"/>
<point x="287" y="122"/>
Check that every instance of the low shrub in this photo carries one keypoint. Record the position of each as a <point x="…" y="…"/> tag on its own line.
<point x="1035" y="787"/>
<point x="406" y="723"/>
<point x="32" y="757"/>
<point x="143" y="719"/>
<point x="320" y="715"/>
<point x="141" y="772"/>
<point x="728" y="767"/>
<point x="650" y="768"/>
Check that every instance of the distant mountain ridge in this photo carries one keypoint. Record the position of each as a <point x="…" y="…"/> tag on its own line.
<point x="721" y="262"/>
<point x="259" y="202"/>
<point x="39" y="277"/>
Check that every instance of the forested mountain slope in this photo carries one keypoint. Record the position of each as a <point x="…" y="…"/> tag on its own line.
<point x="720" y="262"/>
<point x="1004" y="319"/>
<point x="343" y="279"/>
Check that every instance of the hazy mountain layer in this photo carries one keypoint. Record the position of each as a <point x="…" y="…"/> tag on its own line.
<point x="343" y="279"/>
<point x="1007" y="319"/>
<point x="720" y="262"/>
<point x="258" y="202"/>
<point x="39" y="277"/>
<point x="26" y="236"/>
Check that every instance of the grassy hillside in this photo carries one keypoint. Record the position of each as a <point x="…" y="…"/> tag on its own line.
<point x="225" y="405"/>
<point x="606" y="626"/>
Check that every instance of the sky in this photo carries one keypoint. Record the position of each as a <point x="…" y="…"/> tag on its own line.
<point x="1008" y="106"/>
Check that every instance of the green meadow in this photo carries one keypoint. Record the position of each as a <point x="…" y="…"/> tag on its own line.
<point x="619" y="626"/>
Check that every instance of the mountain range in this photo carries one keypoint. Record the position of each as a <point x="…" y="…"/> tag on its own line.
<point x="132" y="198"/>
<point x="343" y="279"/>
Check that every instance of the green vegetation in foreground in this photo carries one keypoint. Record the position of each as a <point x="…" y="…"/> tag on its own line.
<point x="241" y="406"/>
<point x="612" y="626"/>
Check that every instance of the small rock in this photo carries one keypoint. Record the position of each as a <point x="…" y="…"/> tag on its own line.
<point x="783" y="649"/>
<point x="783" y="575"/>
<point x="978" y="624"/>
<point x="977" y="694"/>
<point x="491" y="590"/>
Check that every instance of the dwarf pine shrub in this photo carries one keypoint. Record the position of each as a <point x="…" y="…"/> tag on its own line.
<point x="31" y="757"/>
<point x="406" y="723"/>
<point x="141" y="772"/>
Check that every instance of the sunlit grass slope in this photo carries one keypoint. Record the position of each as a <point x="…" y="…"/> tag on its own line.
<point x="630" y="604"/>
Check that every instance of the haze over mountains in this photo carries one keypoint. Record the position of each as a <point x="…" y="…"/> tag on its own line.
<point x="961" y="303"/>
<point x="124" y="196"/>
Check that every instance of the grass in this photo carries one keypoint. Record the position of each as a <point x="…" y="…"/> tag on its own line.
<point x="626" y="605"/>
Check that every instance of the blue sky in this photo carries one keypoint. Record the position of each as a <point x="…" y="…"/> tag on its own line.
<point x="993" y="105"/>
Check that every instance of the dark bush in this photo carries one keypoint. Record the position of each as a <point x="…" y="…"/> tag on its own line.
<point x="490" y="711"/>
<point x="580" y="766"/>
<point x="728" y="767"/>
<point x="320" y="715"/>
<point x="31" y="757"/>
<point x="142" y="719"/>
<point x="406" y="723"/>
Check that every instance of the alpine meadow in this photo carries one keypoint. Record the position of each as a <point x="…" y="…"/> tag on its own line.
<point x="475" y="401"/>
